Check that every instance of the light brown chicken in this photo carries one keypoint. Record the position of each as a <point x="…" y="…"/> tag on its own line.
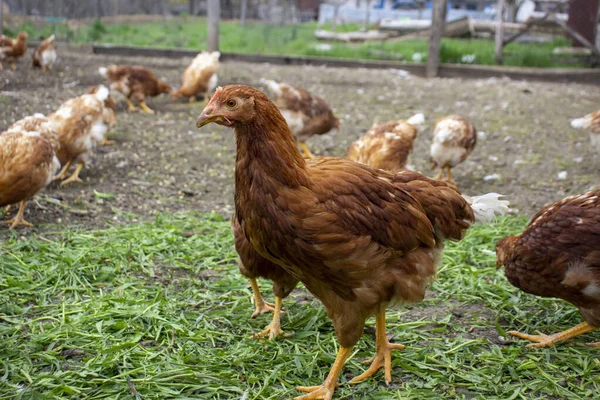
<point x="81" y="124"/>
<point x="306" y="114"/>
<point x="387" y="146"/>
<point x="27" y="163"/>
<point x="358" y="238"/>
<point x="136" y="83"/>
<point x="44" y="56"/>
<point x="454" y="138"/>
<point x="200" y="77"/>
<point x="12" y="49"/>
<point x="253" y="265"/>
<point x="558" y="255"/>
<point x="591" y="123"/>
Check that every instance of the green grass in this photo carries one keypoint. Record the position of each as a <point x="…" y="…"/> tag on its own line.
<point x="99" y="314"/>
<point x="298" y="39"/>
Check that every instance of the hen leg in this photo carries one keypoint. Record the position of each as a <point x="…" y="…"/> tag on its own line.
<point x="274" y="328"/>
<point x="261" y="306"/>
<point x="18" y="219"/>
<point x="7" y="209"/>
<point x="449" y="177"/>
<point x="145" y="107"/>
<point x="439" y="175"/>
<point x="62" y="172"/>
<point x="106" y="142"/>
<point x="542" y="340"/>
<point x="75" y="176"/>
<point x="130" y="106"/>
<point x="44" y="68"/>
<point x="383" y="351"/>
<point x="325" y="391"/>
<point x="305" y="151"/>
<point x="12" y="65"/>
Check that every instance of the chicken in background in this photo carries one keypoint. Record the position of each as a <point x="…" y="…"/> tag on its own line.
<point x="306" y="115"/>
<point x="12" y="49"/>
<point x="591" y="123"/>
<point x="558" y="255"/>
<point x="44" y="56"/>
<point x="200" y="77"/>
<point x="28" y="162"/>
<point x="252" y="265"/>
<point x="388" y="145"/>
<point x="454" y="138"/>
<point x="109" y="113"/>
<point x="81" y="124"/>
<point x="136" y="83"/>
<point x="358" y="238"/>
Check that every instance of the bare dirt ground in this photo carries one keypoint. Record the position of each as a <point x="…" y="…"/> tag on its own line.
<point x="163" y="163"/>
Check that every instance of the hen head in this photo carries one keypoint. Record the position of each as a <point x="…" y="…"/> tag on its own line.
<point x="234" y="105"/>
<point x="503" y="248"/>
<point x="23" y="35"/>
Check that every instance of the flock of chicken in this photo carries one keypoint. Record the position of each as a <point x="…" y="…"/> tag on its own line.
<point x="360" y="232"/>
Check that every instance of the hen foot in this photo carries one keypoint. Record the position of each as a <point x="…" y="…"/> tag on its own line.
<point x="543" y="340"/>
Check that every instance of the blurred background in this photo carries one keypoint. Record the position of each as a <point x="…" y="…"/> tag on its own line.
<point x="355" y="29"/>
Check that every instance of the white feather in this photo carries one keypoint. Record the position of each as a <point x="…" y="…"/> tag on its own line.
<point x="102" y="93"/>
<point x="487" y="206"/>
<point x="417" y="119"/>
<point x="579" y="123"/>
<point x="272" y="85"/>
<point x="103" y="71"/>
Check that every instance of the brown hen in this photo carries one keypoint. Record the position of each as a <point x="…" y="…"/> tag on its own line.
<point x="387" y="146"/>
<point x="12" y="49"/>
<point x="558" y="255"/>
<point x="358" y="238"/>
<point x="591" y="123"/>
<point x="454" y="138"/>
<point x="44" y="56"/>
<point x="200" y="77"/>
<point x="135" y="83"/>
<point x="306" y="114"/>
<point x="253" y="265"/>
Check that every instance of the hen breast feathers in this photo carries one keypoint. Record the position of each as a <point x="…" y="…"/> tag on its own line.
<point x="453" y="140"/>
<point x="200" y="76"/>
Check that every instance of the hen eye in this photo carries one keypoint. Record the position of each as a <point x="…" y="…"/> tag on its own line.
<point x="231" y="103"/>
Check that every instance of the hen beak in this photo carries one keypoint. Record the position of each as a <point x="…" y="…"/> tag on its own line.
<point x="206" y="119"/>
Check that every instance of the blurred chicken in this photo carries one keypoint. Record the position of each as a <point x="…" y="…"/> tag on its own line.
<point x="109" y="114"/>
<point x="558" y="255"/>
<point x="12" y="49"/>
<point x="44" y="56"/>
<point x="27" y="162"/>
<point x="253" y="265"/>
<point x="387" y="146"/>
<point x="306" y="115"/>
<point x="81" y="124"/>
<point x="453" y="140"/>
<point x="135" y="83"/>
<point x="591" y="123"/>
<point x="200" y="77"/>
<point x="358" y="238"/>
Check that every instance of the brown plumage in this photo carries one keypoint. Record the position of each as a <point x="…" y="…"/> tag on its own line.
<point x="81" y="124"/>
<point x="136" y="83"/>
<point x="306" y="114"/>
<point x="44" y="56"/>
<point x="358" y="238"/>
<point x="253" y="265"/>
<point x="591" y="123"/>
<point x="558" y="255"/>
<point x="27" y="163"/>
<point x="454" y="138"/>
<point x="387" y="146"/>
<point x="12" y="49"/>
<point x="200" y="77"/>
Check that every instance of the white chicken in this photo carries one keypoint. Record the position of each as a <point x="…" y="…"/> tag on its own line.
<point x="454" y="138"/>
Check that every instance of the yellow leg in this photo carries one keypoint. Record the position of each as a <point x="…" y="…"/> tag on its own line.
<point x="261" y="306"/>
<point x="18" y="219"/>
<point x="439" y="175"/>
<point x="274" y="328"/>
<point x="44" y="68"/>
<point x="7" y="209"/>
<point x="449" y="177"/>
<point x="12" y="65"/>
<point x="1" y="67"/>
<point x="74" y="177"/>
<point x="305" y="151"/>
<point x="145" y="107"/>
<point x="130" y="105"/>
<point x="63" y="171"/>
<point x="325" y="391"/>
<point x="383" y="351"/>
<point x="542" y="340"/>
<point x="106" y="142"/>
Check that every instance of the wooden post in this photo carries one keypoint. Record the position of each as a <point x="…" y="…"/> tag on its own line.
<point x="214" y="15"/>
<point x="438" y="23"/>
<point x="1" y="16"/>
<point x="500" y="31"/>
<point x="243" y="12"/>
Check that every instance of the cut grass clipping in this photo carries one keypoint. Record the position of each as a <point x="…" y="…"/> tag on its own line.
<point x="160" y="311"/>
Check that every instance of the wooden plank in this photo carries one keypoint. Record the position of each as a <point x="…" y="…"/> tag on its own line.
<point x="437" y="29"/>
<point x="529" y="25"/>
<point x="500" y="31"/>
<point x="574" y="34"/>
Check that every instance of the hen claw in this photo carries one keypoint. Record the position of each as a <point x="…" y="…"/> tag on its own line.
<point x="265" y="307"/>
<point x="316" y="392"/>
<point x="540" y="340"/>
<point x="382" y="358"/>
